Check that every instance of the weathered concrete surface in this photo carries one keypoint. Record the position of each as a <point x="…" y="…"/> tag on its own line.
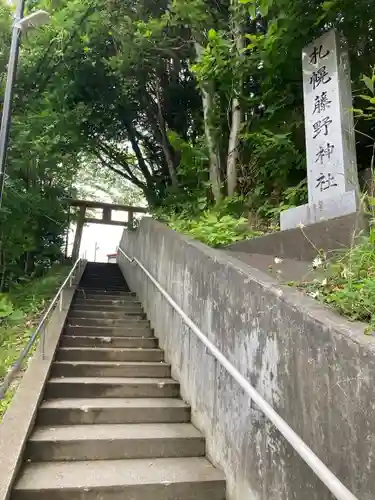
<point x="20" y="416"/>
<point x="314" y="367"/>
<point x="331" y="236"/>
<point x="115" y="442"/>
<point x="282" y="270"/>
<point x="112" y="411"/>
<point x="158" y="479"/>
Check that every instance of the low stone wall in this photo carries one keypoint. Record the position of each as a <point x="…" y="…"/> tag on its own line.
<point x="315" y="368"/>
<point x="330" y="236"/>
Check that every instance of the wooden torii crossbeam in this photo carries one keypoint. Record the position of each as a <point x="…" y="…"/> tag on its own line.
<point x="106" y="218"/>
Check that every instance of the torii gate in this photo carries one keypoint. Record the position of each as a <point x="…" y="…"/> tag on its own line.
<point x="105" y="219"/>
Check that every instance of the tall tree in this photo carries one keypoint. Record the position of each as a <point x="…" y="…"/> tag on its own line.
<point x="143" y="89"/>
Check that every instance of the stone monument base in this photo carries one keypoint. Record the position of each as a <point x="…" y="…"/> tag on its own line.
<point x="344" y="204"/>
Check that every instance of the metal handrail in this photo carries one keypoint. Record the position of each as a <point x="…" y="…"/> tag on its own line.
<point x="18" y="364"/>
<point x="336" y="487"/>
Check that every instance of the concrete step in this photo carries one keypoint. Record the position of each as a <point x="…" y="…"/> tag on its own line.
<point x="105" y="283"/>
<point x="132" y="307"/>
<point x="109" y="322"/>
<point x="114" y="442"/>
<point x="109" y="292"/>
<point x="92" y="293"/>
<point x="104" y="331"/>
<point x="102" y="294"/>
<point x="111" y="387"/>
<point x="105" y="295"/>
<point x="109" y="282"/>
<point x="121" y="314"/>
<point x="136" y="479"/>
<point x="102" y="281"/>
<point x="112" y="411"/>
<point x="91" y="341"/>
<point x="108" y="354"/>
<point x="111" y="301"/>
<point x="114" y="301"/>
<point x="108" y="369"/>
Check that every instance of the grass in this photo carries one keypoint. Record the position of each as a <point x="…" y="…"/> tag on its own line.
<point x="348" y="284"/>
<point x="28" y="301"/>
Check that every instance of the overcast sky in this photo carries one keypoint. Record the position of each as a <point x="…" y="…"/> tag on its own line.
<point x="106" y="238"/>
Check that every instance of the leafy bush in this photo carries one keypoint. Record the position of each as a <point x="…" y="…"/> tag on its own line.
<point x="6" y="306"/>
<point x="274" y="165"/>
<point x="291" y="197"/>
<point x="213" y="229"/>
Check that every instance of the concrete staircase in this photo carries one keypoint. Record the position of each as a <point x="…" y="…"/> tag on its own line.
<point x="111" y="425"/>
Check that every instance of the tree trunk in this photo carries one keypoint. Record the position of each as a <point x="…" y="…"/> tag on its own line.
<point x="237" y="117"/>
<point x="137" y="151"/>
<point x="213" y="150"/>
<point x="214" y="156"/>
<point x="164" y="139"/>
<point x="233" y="155"/>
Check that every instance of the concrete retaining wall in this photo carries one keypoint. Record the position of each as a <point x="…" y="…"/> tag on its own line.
<point x="315" y="368"/>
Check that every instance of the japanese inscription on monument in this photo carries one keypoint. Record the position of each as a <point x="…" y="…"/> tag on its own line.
<point x="330" y="145"/>
<point x="325" y="123"/>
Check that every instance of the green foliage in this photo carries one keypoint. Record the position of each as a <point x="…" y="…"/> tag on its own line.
<point x="215" y="62"/>
<point x="214" y="229"/>
<point x="32" y="229"/>
<point x="6" y="306"/>
<point x="291" y="197"/>
<point x="349" y="282"/>
<point x="20" y="311"/>
<point x="5" y="24"/>
<point x="116" y="82"/>
<point x="368" y="112"/>
<point x="275" y="166"/>
<point x="40" y="170"/>
<point x="4" y="403"/>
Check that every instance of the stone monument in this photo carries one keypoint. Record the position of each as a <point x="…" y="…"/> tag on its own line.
<point x="332" y="176"/>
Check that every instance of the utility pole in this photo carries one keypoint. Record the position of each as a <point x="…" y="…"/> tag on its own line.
<point x="8" y="95"/>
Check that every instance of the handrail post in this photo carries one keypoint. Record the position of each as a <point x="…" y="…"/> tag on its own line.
<point x="61" y="300"/>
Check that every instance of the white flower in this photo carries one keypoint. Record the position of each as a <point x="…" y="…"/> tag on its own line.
<point x="301" y="225"/>
<point x="324" y="282"/>
<point x="345" y="273"/>
<point x="277" y="260"/>
<point x="317" y="262"/>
